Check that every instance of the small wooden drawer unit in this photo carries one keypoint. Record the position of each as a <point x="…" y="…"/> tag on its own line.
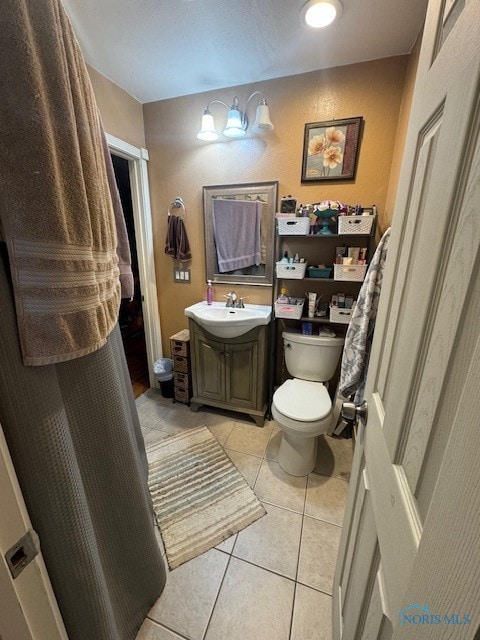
<point x="182" y="372"/>
<point x="181" y="364"/>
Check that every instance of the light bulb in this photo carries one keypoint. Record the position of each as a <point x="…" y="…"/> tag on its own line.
<point x="321" y="14"/>
<point x="207" y="130"/>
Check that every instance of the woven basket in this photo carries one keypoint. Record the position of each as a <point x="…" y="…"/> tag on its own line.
<point x="350" y="225"/>
<point x="292" y="311"/>
<point x="291" y="270"/>
<point x="340" y="316"/>
<point x="350" y="272"/>
<point x="293" y="226"/>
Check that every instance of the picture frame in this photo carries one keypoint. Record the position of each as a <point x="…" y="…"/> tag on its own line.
<point x="330" y="150"/>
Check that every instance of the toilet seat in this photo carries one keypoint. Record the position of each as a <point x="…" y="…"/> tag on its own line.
<point x="303" y="411"/>
<point x="302" y="400"/>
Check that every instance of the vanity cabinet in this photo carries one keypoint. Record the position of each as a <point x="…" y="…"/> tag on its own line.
<point x="230" y="373"/>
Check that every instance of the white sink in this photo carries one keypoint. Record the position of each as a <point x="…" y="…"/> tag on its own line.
<point x="228" y="322"/>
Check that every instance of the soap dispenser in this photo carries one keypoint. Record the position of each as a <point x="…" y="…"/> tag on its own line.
<point x="209" y="292"/>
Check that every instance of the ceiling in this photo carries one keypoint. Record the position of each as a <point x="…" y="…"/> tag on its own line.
<point x="159" y="49"/>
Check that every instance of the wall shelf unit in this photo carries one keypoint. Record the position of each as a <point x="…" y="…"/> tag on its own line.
<point x="320" y="249"/>
<point x="316" y="249"/>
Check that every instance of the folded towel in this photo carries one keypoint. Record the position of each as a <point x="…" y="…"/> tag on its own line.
<point x="359" y="337"/>
<point x="56" y="207"/>
<point x="183" y="246"/>
<point x="237" y="233"/>
<point x="176" y="242"/>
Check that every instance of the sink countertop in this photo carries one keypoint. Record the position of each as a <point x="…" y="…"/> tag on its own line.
<point x="203" y="303"/>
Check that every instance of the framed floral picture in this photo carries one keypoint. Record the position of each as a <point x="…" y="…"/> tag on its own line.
<point x="330" y="150"/>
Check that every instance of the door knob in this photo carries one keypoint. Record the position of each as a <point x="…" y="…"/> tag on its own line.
<point x="352" y="412"/>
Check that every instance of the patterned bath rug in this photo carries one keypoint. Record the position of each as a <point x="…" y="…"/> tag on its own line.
<point x="199" y="496"/>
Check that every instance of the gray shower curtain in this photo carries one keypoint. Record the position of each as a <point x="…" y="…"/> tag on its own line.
<point x="73" y="434"/>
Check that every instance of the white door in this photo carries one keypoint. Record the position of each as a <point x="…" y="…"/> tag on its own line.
<point x="28" y="609"/>
<point x="409" y="559"/>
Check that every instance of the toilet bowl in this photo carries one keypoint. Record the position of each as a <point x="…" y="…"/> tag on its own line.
<point x="301" y="406"/>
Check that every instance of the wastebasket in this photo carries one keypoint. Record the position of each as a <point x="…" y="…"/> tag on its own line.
<point x="163" y="370"/>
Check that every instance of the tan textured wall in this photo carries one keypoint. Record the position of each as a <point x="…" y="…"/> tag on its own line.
<point x="403" y="120"/>
<point x="122" y="115"/>
<point x="180" y="165"/>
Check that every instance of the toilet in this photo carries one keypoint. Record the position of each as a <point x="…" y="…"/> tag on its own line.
<point x="302" y="407"/>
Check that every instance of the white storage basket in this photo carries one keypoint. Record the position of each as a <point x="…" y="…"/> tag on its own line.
<point x="349" y="225"/>
<point x="340" y="316"/>
<point x="293" y="226"/>
<point x="350" y="272"/>
<point x="291" y="270"/>
<point x="292" y="311"/>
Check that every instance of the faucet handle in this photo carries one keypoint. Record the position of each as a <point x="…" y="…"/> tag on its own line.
<point x="231" y="298"/>
<point x="240" y="302"/>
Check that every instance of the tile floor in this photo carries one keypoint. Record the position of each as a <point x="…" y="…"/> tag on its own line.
<point x="273" y="580"/>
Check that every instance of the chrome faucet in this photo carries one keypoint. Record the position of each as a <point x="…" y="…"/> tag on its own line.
<point x="233" y="301"/>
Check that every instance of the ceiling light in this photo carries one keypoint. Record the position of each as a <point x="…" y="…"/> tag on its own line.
<point x="237" y="121"/>
<point x="321" y="13"/>
<point x="207" y="130"/>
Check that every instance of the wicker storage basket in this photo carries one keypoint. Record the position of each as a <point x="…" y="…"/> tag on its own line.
<point x="348" y="225"/>
<point x="340" y="316"/>
<point x="292" y="311"/>
<point x="293" y="226"/>
<point x="291" y="270"/>
<point x="349" y="271"/>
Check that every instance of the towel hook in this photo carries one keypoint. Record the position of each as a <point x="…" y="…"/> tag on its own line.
<point x="177" y="204"/>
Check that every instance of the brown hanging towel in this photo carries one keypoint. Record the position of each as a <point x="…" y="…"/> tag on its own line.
<point x="176" y="242"/>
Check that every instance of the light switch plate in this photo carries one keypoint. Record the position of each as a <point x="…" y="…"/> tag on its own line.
<point x="181" y="274"/>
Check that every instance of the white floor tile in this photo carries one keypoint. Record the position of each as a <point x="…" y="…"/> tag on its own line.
<point x="318" y="554"/>
<point x="189" y="596"/>
<point x="221" y="430"/>
<point x="152" y="631"/>
<point x="227" y="545"/>
<point x="150" y="412"/>
<point x="334" y="457"/>
<point x="248" y="465"/>
<point x="276" y="487"/>
<point x="326" y="498"/>
<point x="312" y="615"/>
<point x="253" y="604"/>
<point x="248" y="438"/>
<point x="272" y="542"/>
<point x="178" y="419"/>
<point x="273" y="446"/>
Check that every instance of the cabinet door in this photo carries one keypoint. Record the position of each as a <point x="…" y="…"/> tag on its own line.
<point x="209" y="371"/>
<point x="242" y="374"/>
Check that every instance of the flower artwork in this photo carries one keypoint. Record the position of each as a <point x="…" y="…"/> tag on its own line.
<point x="330" y="150"/>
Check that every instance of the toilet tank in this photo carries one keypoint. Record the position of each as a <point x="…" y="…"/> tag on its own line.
<point x="311" y="357"/>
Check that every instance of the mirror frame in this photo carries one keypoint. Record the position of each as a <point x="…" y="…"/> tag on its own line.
<point x="270" y="189"/>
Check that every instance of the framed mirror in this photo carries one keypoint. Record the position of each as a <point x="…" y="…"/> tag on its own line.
<point x="240" y="232"/>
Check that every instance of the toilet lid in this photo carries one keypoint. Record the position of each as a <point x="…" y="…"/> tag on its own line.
<point x="303" y="400"/>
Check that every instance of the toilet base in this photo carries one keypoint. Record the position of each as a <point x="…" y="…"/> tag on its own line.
<point x="297" y="456"/>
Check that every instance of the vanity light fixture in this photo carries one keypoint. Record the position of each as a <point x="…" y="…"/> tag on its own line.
<point x="321" y="13"/>
<point x="237" y="121"/>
